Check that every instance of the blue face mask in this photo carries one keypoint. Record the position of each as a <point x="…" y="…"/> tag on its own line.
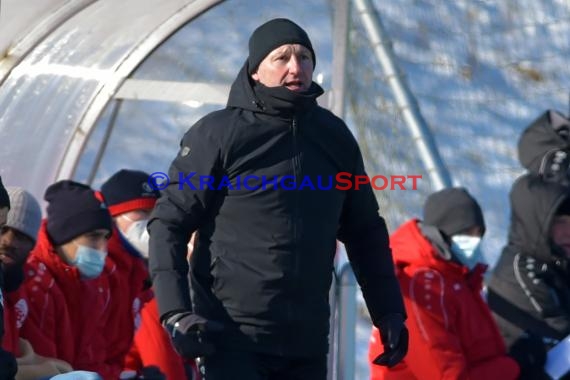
<point x="89" y="261"/>
<point x="467" y="249"/>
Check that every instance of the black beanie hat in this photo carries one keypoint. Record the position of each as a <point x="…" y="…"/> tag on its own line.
<point x="73" y="210"/>
<point x="452" y="211"/>
<point x="271" y="35"/>
<point x="128" y="190"/>
<point x="4" y="198"/>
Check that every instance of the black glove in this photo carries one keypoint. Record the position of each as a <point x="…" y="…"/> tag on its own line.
<point x="151" y="372"/>
<point x="188" y="332"/>
<point x="8" y="365"/>
<point x="530" y="353"/>
<point x="394" y="335"/>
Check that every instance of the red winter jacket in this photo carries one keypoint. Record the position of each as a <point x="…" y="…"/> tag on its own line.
<point x="152" y="345"/>
<point x="68" y="316"/>
<point x="15" y="313"/>
<point x="133" y="308"/>
<point x="127" y="281"/>
<point x="452" y="332"/>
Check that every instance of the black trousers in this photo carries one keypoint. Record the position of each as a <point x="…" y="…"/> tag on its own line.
<point x="231" y="365"/>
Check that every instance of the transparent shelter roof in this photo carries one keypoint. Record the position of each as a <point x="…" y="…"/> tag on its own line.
<point x="113" y="84"/>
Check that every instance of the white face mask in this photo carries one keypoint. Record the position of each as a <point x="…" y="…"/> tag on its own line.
<point x="467" y="249"/>
<point x="138" y="236"/>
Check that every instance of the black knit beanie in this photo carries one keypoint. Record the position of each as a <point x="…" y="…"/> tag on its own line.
<point x="452" y="211"/>
<point x="271" y="35"/>
<point x="73" y="210"/>
<point x="129" y="190"/>
<point x="4" y="198"/>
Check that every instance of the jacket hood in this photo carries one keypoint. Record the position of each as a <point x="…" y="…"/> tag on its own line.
<point x="410" y="246"/>
<point x="544" y="145"/>
<point x="452" y="211"/>
<point x="45" y="252"/>
<point x="253" y="96"/>
<point x="533" y="205"/>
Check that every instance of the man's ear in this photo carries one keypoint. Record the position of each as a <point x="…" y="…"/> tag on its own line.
<point x="255" y="76"/>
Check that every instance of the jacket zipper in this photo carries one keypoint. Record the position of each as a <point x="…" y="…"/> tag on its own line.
<point x="296" y="173"/>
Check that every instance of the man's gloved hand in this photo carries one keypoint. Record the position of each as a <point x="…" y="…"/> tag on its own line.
<point x="188" y="332"/>
<point x="394" y="335"/>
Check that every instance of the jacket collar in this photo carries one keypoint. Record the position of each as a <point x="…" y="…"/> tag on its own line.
<point x="411" y="247"/>
<point x="45" y="252"/>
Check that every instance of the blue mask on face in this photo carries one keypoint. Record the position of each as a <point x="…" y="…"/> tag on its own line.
<point x="467" y="249"/>
<point x="89" y="261"/>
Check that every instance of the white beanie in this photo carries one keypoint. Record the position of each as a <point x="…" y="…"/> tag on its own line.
<point x="25" y="214"/>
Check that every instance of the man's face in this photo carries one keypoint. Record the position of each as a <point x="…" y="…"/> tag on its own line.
<point x="474" y="231"/>
<point x="288" y="65"/>
<point x="96" y="239"/>
<point x="14" y="247"/>
<point x="560" y="232"/>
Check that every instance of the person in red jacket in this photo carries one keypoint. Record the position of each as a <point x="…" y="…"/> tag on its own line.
<point x="8" y="365"/>
<point x="17" y="238"/>
<point x="452" y="332"/>
<point x="152" y="347"/>
<point x="67" y="290"/>
<point x="130" y="199"/>
<point x="136" y="325"/>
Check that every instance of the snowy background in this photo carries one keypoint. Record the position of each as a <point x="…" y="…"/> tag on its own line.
<point x="481" y="72"/>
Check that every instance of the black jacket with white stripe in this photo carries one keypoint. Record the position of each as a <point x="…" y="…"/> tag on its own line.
<point x="529" y="290"/>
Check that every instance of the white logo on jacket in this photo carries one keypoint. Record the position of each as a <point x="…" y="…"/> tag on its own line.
<point x="137" y="312"/>
<point x="21" y="308"/>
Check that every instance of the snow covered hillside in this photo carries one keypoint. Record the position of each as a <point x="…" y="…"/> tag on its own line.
<point x="481" y="71"/>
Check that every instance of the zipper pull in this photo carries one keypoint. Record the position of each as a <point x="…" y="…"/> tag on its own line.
<point x="258" y="104"/>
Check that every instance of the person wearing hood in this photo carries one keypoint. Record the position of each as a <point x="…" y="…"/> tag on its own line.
<point x="440" y="269"/>
<point x="529" y="289"/>
<point x="262" y="264"/>
<point x="544" y="147"/>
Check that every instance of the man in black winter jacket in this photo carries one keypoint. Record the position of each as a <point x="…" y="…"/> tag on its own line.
<point x="249" y="178"/>
<point x="529" y="290"/>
